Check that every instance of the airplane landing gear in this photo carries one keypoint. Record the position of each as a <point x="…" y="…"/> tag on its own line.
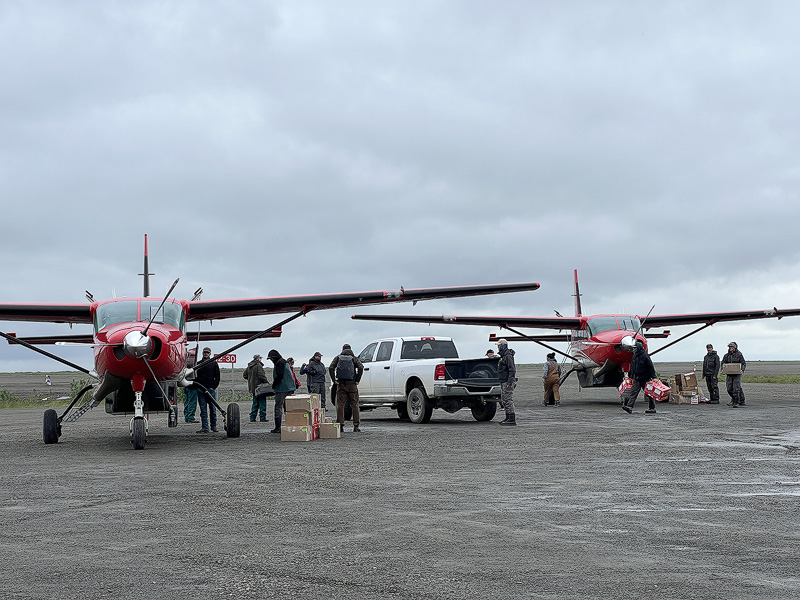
<point x="138" y="432"/>
<point x="232" y="422"/>
<point x="51" y="429"/>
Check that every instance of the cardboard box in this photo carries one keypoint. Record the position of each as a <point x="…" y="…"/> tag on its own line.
<point x="686" y="381"/>
<point x="296" y="434"/>
<point x="684" y="398"/>
<point x="329" y="431"/>
<point x="658" y="390"/>
<point x="299" y="419"/>
<point x="302" y="402"/>
<point x="732" y="368"/>
<point x="626" y="384"/>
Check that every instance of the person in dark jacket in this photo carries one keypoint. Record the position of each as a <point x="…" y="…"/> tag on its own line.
<point x="641" y="371"/>
<point x="733" y="383"/>
<point x="283" y="384"/>
<point x="507" y="373"/>
<point x="208" y="377"/>
<point x="711" y="373"/>
<point x="255" y="375"/>
<point x="346" y="371"/>
<point x="316" y="377"/>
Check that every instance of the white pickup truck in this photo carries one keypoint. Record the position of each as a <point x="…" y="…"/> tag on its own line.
<point x="414" y="375"/>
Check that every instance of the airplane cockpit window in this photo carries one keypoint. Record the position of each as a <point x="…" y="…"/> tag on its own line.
<point x="170" y="314"/>
<point x="629" y="323"/>
<point x="600" y="324"/>
<point x="111" y="313"/>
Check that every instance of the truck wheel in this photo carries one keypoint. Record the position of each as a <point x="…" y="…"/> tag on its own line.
<point x="419" y="408"/>
<point x="484" y="412"/>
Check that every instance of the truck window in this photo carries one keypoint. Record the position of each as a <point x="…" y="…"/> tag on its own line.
<point x="384" y="351"/>
<point x="428" y="349"/>
<point x="367" y="353"/>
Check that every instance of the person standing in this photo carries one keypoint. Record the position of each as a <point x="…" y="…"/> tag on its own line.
<point x="346" y="371"/>
<point x="255" y="375"/>
<point x="316" y="377"/>
<point x="283" y="384"/>
<point x="733" y="383"/>
<point x="207" y="376"/>
<point x="490" y="353"/>
<point x="641" y="371"/>
<point x="190" y="394"/>
<point x="711" y="373"/>
<point x="297" y="384"/>
<point x="552" y="380"/>
<point x="507" y="373"/>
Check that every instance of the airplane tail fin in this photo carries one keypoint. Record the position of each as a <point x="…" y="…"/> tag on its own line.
<point x="146" y="274"/>
<point x="578" y="310"/>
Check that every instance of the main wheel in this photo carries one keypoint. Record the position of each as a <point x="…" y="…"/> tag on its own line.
<point x="232" y="422"/>
<point x="485" y="411"/>
<point x="51" y="430"/>
<point x="138" y="434"/>
<point x="419" y="407"/>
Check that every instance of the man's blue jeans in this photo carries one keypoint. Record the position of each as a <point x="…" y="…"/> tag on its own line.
<point x="204" y="405"/>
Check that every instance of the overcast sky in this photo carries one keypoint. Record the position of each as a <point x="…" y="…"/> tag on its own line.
<point x="279" y="148"/>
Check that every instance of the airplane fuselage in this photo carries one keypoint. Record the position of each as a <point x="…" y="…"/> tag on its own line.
<point x="602" y="348"/>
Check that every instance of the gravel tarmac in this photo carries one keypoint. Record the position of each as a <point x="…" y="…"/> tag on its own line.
<point x="580" y="501"/>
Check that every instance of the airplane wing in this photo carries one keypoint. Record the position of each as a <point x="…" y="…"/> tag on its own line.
<point x="718" y="317"/>
<point x="201" y="310"/>
<point x="47" y="313"/>
<point x="205" y="336"/>
<point x="538" y="322"/>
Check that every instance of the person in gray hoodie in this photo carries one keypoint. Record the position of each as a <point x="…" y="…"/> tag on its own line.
<point x="507" y="373"/>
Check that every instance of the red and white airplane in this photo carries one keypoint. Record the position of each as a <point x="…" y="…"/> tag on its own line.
<point x="141" y="353"/>
<point x="600" y="346"/>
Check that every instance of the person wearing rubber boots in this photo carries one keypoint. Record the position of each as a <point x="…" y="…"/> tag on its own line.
<point x="733" y="383"/>
<point x="711" y="374"/>
<point x="641" y="371"/>
<point x="552" y="380"/>
<point x="507" y="373"/>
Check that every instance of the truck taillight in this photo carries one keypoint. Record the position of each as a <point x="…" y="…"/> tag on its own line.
<point x="438" y="374"/>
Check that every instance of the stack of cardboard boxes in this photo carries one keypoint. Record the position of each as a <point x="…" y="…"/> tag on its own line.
<point x="306" y="421"/>
<point x="684" y="389"/>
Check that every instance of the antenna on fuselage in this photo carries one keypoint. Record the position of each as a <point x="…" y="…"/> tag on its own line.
<point x="146" y="274"/>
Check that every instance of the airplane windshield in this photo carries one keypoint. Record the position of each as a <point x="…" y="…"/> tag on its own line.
<point x="126" y="311"/>
<point x="600" y="324"/>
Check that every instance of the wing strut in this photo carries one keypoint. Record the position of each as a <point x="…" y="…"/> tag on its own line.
<point x="15" y="340"/>
<point x="681" y="338"/>
<point x="530" y="339"/>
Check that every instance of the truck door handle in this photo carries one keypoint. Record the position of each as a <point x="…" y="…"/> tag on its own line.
<point x="387" y="368"/>
<point x="366" y="368"/>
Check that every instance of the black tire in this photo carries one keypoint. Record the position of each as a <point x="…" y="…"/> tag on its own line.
<point x="484" y="412"/>
<point x="233" y="421"/>
<point x="139" y="434"/>
<point x="402" y="412"/>
<point x="51" y="430"/>
<point x="418" y="406"/>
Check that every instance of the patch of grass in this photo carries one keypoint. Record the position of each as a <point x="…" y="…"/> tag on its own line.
<point x="9" y="400"/>
<point x="770" y="379"/>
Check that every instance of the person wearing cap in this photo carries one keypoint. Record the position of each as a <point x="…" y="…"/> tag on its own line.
<point x="490" y="353"/>
<point x="207" y="380"/>
<point x="733" y="383"/>
<point x="346" y="371"/>
<point x="641" y="371"/>
<point x="552" y="380"/>
<point x="507" y="373"/>
<point x="255" y="375"/>
<point x="316" y="377"/>
<point x="283" y="384"/>
<point x="711" y="373"/>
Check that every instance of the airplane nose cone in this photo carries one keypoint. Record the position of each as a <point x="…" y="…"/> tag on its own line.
<point x="137" y="345"/>
<point x="628" y="343"/>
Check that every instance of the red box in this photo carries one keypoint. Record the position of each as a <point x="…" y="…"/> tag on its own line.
<point x="626" y="384"/>
<point x="657" y="390"/>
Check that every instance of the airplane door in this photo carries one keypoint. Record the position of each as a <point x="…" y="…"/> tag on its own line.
<point x="381" y="369"/>
<point x="366" y="356"/>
